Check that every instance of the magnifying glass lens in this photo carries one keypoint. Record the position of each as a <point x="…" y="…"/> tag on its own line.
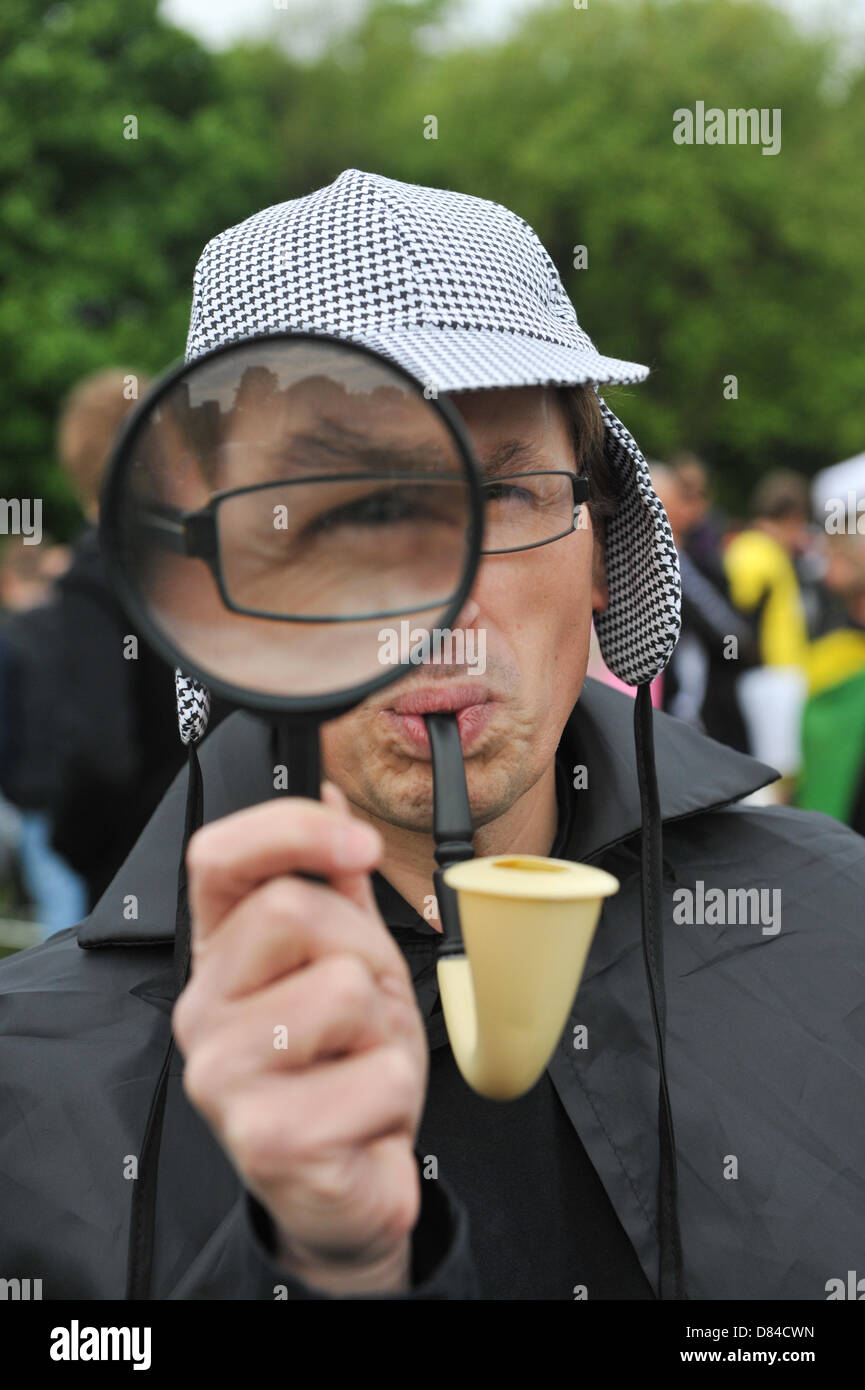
<point x="283" y="505"/>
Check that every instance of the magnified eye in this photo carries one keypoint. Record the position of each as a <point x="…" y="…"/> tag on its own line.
<point x="382" y="508"/>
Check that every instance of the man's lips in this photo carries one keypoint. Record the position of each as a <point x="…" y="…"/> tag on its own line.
<point x="471" y="702"/>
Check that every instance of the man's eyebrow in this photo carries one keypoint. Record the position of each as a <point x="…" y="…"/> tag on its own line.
<point x="333" y="446"/>
<point x="509" y="455"/>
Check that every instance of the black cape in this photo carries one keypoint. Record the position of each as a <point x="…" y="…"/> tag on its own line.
<point x="765" y="1048"/>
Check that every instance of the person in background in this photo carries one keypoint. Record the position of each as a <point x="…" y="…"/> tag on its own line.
<point x="706" y="528"/>
<point x="58" y="894"/>
<point x="761" y="573"/>
<point x="760" y="564"/>
<point x="94" y="725"/>
<point x="716" y="643"/>
<point x="832" y="777"/>
<point x="28" y="572"/>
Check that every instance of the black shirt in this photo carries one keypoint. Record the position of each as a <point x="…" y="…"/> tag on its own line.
<point x="540" y="1222"/>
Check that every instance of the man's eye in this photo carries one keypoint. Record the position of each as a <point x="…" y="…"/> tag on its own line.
<point x="379" y="509"/>
<point x="499" y="492"/>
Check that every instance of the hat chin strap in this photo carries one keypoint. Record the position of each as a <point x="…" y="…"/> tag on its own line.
<point x="671" y="1272"/>
<point x="139" y="1265"/>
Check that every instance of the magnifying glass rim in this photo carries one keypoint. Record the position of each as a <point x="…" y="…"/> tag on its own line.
<point x="109" y="534"/>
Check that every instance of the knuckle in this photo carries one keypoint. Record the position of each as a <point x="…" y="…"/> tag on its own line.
<point x="395" y="977"/>
<point x="350" y="983"/>
<point x="327" y="1181"/>
<point x="399" y="1074"/>
<point x="285" y="898"/>
<point x="404" y="1214"/>
<point x="403" y="1017"/>
<point x="253" y="1136"/>
<point x="203" y="1076"/>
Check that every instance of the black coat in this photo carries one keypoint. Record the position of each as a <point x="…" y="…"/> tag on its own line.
<point x="765" y="1049"/>
<point x="90" y="731"/>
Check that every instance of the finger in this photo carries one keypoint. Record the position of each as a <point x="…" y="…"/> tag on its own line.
<point x="358" y="887"/>
<point x="283" y="926"/>
<point x="325" y="1011"/>
<point x="227" y="859"/>
<point x="292" y="1118"/>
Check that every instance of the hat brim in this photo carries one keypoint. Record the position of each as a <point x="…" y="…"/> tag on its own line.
<point x="460" y="359"/>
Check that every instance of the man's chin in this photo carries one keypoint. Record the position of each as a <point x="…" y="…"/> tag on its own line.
<point x="399" y="787"/>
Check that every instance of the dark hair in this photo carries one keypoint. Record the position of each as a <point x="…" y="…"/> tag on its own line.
<point x="781" y="495"/>
<point x="90" y="418"/>
<point x="588" y="432"/>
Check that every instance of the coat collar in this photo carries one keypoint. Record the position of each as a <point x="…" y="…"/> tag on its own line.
<point x="694" y="774"/>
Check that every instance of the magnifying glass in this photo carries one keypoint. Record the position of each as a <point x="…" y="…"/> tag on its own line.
<point x="273" y="507"/>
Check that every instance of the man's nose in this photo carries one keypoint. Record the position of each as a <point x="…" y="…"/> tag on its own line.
<point x="468" y="614"/>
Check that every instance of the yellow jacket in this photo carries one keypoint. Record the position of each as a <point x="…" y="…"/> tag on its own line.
<point x="834" y="658"/>
<point x="756" y="565"/>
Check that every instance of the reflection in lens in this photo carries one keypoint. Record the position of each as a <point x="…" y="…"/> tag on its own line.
<point x="308" y="485"/>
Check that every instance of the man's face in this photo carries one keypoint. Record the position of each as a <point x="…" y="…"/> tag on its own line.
<point x="535" y="610"/>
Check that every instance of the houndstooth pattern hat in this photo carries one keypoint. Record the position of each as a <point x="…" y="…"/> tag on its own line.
<point x="460" y="292"/>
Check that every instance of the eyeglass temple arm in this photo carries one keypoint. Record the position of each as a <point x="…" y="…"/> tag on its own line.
<point x="183" y="533"/>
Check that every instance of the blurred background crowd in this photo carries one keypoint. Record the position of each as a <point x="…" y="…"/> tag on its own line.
<point x="127" y="140"/>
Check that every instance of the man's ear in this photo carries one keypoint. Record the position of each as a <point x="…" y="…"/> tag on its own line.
<point x="600" y="589"/>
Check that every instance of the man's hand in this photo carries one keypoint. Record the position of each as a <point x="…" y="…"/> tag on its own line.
<point x="305" y="1050"/>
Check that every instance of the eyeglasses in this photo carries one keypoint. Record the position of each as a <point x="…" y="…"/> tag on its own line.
<point x="253" y="538"/>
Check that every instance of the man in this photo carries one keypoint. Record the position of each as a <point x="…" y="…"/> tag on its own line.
<point x="833" y="721"/>
<point x="352" y="1161"/>
<point x="28" y="765"/>
<point x="94" y="743"/>
<point x="760" y="565"/>
<point x="761" y="573"/>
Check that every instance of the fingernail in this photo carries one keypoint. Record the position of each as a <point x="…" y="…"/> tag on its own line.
<point x="357" y="841"/>
<point x="332" y="792"/>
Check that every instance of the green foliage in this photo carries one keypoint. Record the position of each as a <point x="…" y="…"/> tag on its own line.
<point x="100" y="233"/>
<point x="703" y="261"/>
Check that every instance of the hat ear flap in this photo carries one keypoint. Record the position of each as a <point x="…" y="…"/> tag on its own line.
<point x="639" y="628"/>
<point x="193" y="707"/>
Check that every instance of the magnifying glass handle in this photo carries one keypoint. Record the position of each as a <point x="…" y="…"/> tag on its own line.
<point x="297" y="749"/>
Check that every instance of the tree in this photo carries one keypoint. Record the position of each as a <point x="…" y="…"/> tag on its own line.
<point x="122" y="149"/>
<point x="704" y="262"/>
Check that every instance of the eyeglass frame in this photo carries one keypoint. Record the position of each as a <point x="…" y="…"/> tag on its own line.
<point x="195" y="534"/>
